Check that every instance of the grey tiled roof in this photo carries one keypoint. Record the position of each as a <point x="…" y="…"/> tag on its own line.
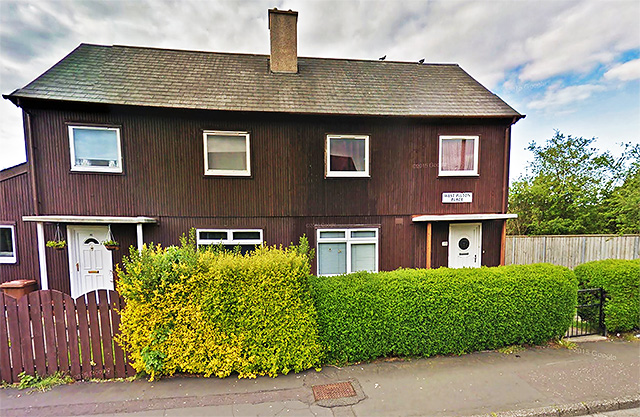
<point x="241" y="82"/>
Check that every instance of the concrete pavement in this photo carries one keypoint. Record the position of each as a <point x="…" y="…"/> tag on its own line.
<point x="544" y="381"/>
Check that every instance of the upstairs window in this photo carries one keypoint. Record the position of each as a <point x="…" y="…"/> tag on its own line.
<point x="95" y="149"/>
<point x="7" y="245"/>
<point x="347" y="156"/>
<point x="458" y="155"/>
<point x="342" y="251"/>
<point x="227" y="153"/>
<point x="246" y="239"/>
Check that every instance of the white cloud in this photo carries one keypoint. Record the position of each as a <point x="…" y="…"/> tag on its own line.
<point x="581" y="37"/>
<point x="626" y="72"/>
<point x="526" y="42"/>
<point x="564" y="98"/>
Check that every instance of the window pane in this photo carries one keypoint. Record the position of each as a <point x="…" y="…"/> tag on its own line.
<point x="332" y="258"/>
<point x="227" y="152"/>
<point x="246" y="235"/>
<point x="95" y="147"/>
<point x="457" y="154"/>
<point x="6" y="242"/>
<point x="213" y="235"/>
<point x="363" y="233"/>
<point x="363" y="257"/>
<point x="347" y="154"/>
<point x="331" y="235"/>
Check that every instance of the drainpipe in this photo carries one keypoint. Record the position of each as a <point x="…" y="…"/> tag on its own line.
<point x="31" y="160"/>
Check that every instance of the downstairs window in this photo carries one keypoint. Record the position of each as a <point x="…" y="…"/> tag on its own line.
<point x="342" y="251"/>
<point x="246" y="239"/>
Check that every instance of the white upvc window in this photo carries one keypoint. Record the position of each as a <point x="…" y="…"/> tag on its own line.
<point x="227" y="153"/>
<point x="8" y="245"/>
<point x="342" y="251"/>
<point x="347" y="156"/>
<point x="458" y="155"/>
<point x="95" y="149"/>
<point x="247" y="239"/>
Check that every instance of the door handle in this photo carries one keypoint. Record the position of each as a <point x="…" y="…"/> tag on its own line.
<point x="78" y="266"/>
<point x="475" y="258"/>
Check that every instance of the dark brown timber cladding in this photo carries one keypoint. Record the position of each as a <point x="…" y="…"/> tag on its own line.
<point x="15" y="202"/>
<point x="403" y="245"/>
<point x="163" y="166"/>
<point x="491" y="237"/>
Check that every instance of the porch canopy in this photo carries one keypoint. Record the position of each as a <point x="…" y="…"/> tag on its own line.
<point x="40" y="220"/>
<point x="462" y="217"/>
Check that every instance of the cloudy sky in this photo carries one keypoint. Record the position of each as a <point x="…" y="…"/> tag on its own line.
<point x="568" y="65"/>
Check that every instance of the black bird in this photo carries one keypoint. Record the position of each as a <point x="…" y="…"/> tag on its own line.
<point x="383" y="58"/>
<point x="421" y="61"/>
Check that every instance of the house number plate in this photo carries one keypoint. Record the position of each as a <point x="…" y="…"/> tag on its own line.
<point x="457" y="197"/>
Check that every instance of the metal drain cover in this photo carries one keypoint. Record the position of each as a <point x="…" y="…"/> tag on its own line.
<point x="333" y="391"/>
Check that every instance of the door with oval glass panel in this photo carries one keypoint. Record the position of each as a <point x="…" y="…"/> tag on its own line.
<point x="90" y="263"/>
<point x="465" y="245"/>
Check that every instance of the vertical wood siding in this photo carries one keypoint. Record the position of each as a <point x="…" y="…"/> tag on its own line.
<point x="15" y="202"/>
<point x="164" y="173"/>
<point x="287" y="194"/>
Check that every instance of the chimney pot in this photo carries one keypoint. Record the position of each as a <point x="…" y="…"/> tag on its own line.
<point x="284" y="41"/>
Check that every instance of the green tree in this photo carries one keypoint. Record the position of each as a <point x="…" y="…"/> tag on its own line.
<point x="568" y="189"/>
<point x="623" y="206"/>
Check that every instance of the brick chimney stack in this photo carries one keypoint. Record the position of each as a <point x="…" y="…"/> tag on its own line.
<point x="283" y="26"/>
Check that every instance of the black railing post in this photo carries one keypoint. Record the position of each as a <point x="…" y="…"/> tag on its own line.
<point x="603" y="328"/>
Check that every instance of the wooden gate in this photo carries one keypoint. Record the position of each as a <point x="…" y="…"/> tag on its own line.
<point x="47" y="332"/>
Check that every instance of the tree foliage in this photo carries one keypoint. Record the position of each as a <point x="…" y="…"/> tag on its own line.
<point x="573" y="188"/>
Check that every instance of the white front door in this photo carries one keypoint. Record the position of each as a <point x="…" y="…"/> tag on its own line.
<point x="90" y="263"/>
<point x="465" y="245"/>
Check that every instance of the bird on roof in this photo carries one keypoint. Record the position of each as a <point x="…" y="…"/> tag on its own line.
<point x="421" y="61"/>
<point x="382" y="58"/>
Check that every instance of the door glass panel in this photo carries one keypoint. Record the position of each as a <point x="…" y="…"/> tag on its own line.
<point x="363" y="257"/>
<point x="332" y="258"/>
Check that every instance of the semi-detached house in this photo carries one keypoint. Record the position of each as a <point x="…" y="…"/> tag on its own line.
<point x="380" y="164"/>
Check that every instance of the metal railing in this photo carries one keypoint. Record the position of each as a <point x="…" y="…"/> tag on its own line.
<point x="589" y="317"/>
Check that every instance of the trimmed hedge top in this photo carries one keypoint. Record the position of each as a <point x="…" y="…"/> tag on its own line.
<point x="365" y="315"/>
<point x="621" y="281"/>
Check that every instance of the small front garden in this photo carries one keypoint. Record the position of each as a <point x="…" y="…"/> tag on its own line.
<point x="217" y="312"/>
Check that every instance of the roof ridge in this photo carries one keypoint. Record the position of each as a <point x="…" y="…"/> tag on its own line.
<point x="155" y="48"/>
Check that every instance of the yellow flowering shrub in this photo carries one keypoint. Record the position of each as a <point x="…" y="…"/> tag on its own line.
<point x="215" y="312"/>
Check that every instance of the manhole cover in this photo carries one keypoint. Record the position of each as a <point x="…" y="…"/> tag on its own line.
<point x="333" y="391"/>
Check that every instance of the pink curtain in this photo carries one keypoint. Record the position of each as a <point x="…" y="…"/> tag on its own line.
<point x="457" y="154"/>
<point x="347" y="154"/>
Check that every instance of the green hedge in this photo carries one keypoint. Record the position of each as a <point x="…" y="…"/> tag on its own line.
<point x="621" y="281"/>
<point x="362" y="316"/>
<point x="215" y="312"/>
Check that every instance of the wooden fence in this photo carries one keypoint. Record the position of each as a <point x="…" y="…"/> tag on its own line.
<point x="47" y="332"/>
<point x="571" y="250"/>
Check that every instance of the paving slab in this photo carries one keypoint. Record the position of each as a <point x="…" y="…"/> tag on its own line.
<point x="561" y="381"/>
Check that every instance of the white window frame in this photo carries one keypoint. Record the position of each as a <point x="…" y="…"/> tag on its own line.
<point x="350" y="241"/>
<point x="467" y="173"/>
<point x="79" y="168"/>
<point x="229" y="239"/>
<point x="14" y="258"/>
<point x="346" y="174"/>
<point x="227" y="172"/>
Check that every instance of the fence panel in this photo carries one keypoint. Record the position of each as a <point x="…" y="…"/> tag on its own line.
<point x="570" y="250"/>
<point x="47" y="332"/>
